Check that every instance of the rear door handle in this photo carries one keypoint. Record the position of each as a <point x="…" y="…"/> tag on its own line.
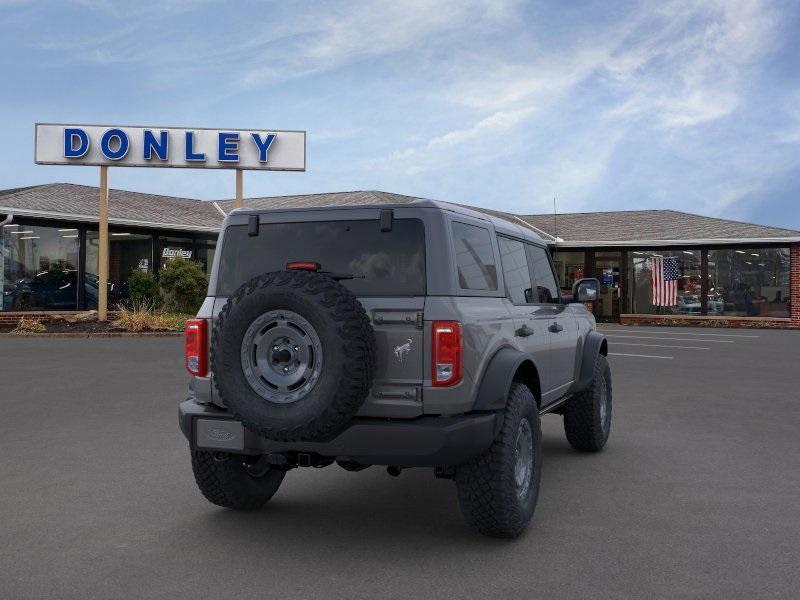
<point x="555" y="328"/>
<point x="523" y="331"/>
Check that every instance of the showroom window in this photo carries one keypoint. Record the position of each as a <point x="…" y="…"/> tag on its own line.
<point x="570" y="266"/>
<point x="748" y="282"/>
<point x="666" y="282"/>
<point x="176" y="248"/>
<point x="39" y="268"/>
<point x="128" y="251"/>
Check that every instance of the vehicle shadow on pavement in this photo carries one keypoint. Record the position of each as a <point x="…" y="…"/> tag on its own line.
<point x="337" y="507"/>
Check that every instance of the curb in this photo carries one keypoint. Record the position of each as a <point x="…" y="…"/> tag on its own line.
<point x="104" y="334"/>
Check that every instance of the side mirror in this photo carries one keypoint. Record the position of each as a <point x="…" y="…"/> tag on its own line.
<point x="586" y="290"/>
<point x="528" y="295"/>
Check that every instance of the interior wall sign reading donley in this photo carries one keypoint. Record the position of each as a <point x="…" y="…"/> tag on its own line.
<point x="189" y="148"/>
<point x="58" y="144"/>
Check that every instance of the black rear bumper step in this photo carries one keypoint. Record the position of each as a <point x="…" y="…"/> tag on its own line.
<point x="422" y="442"/>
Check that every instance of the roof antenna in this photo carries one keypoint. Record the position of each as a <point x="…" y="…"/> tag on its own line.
<point x="555" y="222"/>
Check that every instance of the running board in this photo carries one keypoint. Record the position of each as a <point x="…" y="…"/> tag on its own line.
<point x="554" y="405"/>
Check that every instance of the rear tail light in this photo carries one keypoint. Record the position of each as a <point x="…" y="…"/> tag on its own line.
<point x="197" y="347"/>
<point x="446" y="347"/>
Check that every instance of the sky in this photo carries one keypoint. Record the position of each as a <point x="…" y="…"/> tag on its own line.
<point x="505" y="104"/>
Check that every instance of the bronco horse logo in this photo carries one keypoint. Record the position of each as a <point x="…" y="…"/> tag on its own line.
<point x="401" y="351"/>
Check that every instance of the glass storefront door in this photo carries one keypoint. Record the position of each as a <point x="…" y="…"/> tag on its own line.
<point x="127" y="252"/>
<point x="607" y="268"/>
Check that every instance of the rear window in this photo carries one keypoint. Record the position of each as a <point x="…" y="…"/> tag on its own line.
<point x="392" y="262"/>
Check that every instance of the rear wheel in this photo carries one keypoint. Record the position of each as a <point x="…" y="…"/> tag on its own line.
<point x="498" y="490"/>
<point x="226" y="480"/>
<point x="587" y="415"/>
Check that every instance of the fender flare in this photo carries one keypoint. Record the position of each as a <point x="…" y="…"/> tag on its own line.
<point x="497" y="378"/>
<point x="594" y="344"/>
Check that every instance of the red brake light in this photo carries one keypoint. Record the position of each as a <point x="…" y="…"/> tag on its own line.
<point x="446" y="360"/>
<point x="197" y="347"/>
<point x="303" y="265"/>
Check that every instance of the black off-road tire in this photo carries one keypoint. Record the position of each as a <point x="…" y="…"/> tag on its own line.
<point x="586" y="423"/>
<point x="487" y="490"/>
<point x="224" y="481"/>
<point x="348" y="347"/>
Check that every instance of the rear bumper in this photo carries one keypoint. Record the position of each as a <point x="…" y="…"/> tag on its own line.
<point x="421" y="442"/>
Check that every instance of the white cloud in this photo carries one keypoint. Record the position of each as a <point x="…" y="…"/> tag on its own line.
<point x="472" y="145"/>
<point x="680" y="67"/>
<point x="374" y="28"/>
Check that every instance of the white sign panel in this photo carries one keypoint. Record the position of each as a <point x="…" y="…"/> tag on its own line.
<point x="123" y="146"/>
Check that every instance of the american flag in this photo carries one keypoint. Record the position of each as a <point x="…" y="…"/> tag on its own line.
<point x="664" y="277"/>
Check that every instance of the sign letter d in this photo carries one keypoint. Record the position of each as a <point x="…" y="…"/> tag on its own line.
<point x="76" y="143"/>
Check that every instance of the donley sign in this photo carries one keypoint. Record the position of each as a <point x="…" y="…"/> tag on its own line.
<point x="178" y="147"/>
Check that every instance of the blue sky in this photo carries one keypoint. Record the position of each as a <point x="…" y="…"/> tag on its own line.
<point x="605" y="105"/>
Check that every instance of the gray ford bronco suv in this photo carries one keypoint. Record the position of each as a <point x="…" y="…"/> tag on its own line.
<point x="407" y="334"/>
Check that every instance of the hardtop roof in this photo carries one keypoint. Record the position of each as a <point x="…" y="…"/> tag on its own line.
<point x="502" y="222"/>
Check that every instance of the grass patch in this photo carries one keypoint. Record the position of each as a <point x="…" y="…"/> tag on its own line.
<point x="28" y="325"/>
<point x="142" y="317"/>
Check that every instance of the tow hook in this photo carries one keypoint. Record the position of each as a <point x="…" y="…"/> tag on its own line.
<point x="265" y="463"/>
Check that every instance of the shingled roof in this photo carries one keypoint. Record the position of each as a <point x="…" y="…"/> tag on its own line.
<point x="644" y="226"/>
<point x="357" y="198"/>
<point x="623" y="228"/>
<point x="72" y="202"/>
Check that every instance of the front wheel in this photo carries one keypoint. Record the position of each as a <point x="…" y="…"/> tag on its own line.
<point x="498" y="490"/>
<point x="224" y="480"/>
<point x="587" y="415"/>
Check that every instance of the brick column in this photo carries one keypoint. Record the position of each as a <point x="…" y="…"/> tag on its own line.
<point x="794" y="283"/>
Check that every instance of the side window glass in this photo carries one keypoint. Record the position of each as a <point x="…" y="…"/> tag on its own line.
<point x="515" y="270"/>
<point x="545" y="287"/>
<point x="474" y="257"/>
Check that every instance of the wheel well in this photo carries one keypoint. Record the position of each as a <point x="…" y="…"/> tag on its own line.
<point x="604" y="347"/>
<point x="527" y="374"/>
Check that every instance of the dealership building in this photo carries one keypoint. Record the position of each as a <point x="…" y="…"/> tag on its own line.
<point x="724" y="272"/>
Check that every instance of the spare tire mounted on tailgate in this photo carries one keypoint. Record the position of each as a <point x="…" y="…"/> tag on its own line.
<point x="293" y="355"/>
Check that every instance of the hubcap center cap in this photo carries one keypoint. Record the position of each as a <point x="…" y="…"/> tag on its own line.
<point x="282" y="356"/>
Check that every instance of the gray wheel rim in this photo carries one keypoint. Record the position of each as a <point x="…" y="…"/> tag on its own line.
<point x="604" y="412"/>
<point x="523" y="458"/>
<point x="281" y="356"/>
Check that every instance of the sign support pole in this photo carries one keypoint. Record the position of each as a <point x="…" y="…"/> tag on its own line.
<point x="239" y="188"/>
<point x="102" y="259"/>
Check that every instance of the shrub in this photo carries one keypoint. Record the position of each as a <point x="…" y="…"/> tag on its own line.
<point x="143" y="289"/>
<point x="28" y="325"/>
<point x="183" y="286"/>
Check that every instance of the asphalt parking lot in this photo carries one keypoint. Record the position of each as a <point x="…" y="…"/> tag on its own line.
<point x="696" y="495"/>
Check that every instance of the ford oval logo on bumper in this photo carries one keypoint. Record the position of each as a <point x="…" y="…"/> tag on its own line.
<point x="219" y="435"/>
